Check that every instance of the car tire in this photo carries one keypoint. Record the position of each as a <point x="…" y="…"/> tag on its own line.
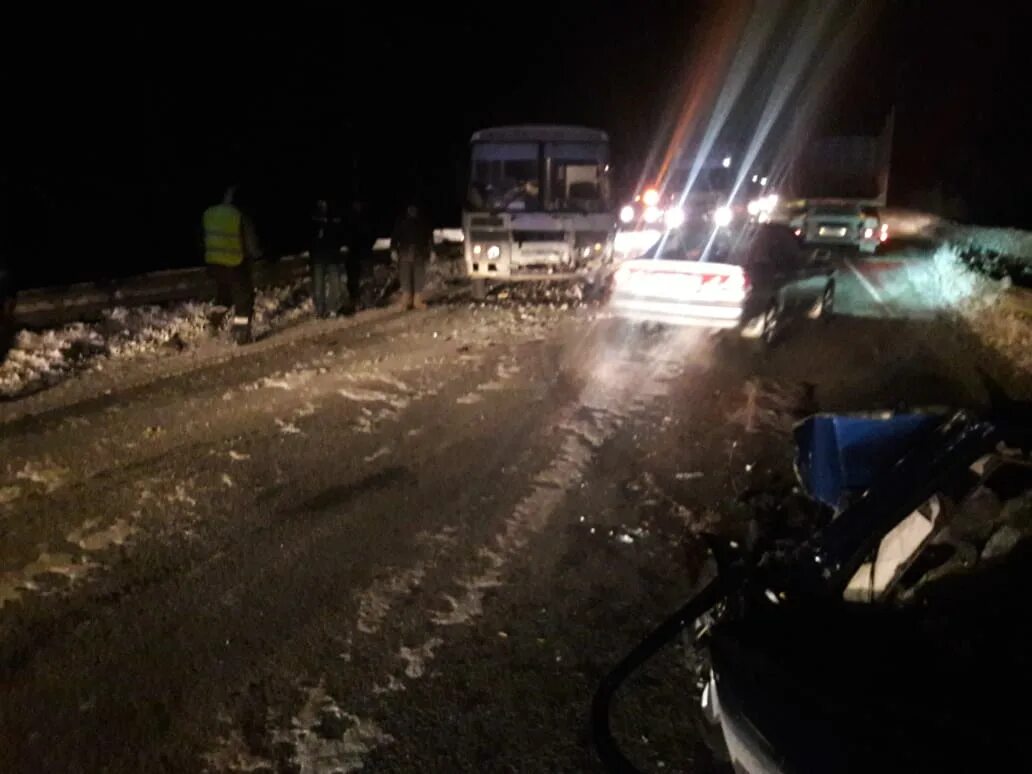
<point x="771" y="322"/>
<point x="824" y="307"/>
<point x="827" y="303"/>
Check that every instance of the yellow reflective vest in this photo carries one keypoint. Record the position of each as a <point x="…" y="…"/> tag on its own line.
<point x="223" y="235"/>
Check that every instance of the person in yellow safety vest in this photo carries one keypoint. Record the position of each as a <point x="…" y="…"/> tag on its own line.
<point x="230" y="246"/>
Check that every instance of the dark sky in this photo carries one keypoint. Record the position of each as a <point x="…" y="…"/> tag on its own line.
<point x="122" y="128"/>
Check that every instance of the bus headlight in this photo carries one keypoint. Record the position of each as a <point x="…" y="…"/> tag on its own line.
<point x="723" y="216"/>
<point x="494" y="252"/>
<point x="626" y="213"/>
<point x="673" y="218"/>
<point x="478" y="249"/>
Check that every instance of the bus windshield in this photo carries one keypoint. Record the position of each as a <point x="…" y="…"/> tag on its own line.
<point x="531" y="176"/>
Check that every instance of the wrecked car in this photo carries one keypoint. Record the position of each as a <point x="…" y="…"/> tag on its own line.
<point x="895" y="637"/>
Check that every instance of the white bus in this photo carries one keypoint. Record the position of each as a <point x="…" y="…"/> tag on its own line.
<point x="538" y="205"/>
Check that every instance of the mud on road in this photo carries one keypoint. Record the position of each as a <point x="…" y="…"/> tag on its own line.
<point x="409" y="545"/>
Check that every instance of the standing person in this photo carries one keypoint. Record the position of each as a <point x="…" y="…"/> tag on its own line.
<point x="325" y="258"/>
<point x="360" y="241"/>
<point x="7" y="299"/>
<point x="230" y="247"/>
<point x="412" y="241"/>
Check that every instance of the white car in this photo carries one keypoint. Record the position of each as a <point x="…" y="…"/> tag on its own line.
<point x="841" y="224"/>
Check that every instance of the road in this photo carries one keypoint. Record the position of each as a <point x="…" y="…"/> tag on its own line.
<point x="403" y="542"/>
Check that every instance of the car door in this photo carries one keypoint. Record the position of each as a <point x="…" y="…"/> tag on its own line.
<point x="801" y="279"/>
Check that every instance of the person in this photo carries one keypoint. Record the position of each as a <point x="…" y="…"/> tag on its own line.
<point x="325" y="258"/>
<point x="360" y="242"/>
<point x="412" y="242"/>
<point x="8" y="294"/>
<point x="230" y="247"/>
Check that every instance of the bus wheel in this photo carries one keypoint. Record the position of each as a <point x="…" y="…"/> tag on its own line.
<point x="479" y="289"/>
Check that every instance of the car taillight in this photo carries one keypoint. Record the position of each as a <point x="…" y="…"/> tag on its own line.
<point x="734" y="281"/>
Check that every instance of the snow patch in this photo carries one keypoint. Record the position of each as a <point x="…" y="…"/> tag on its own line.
<point x="469" y="399"/>
<point x="383" y="451"/>
<point x="8" y="494"/>
<point x="41" y="359"/>
<point x="179" y="496"/>
<point x="393" y="685"/>
<point x="415" y="658"/>
<point x="233" y="755"/>
<point x="47" y="474"/>
<point x="14" y="584"/>
<point x="115" y="535"/>
<point x="376" y="601"/>
<point x="364" y="395"/>
<point x="530" y="516"/>
<point x="288" y="428"/>
<point x="325" y="738"/>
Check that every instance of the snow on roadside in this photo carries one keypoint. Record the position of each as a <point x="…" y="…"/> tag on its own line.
<point x="41" y="359"/>
<point x="979" y="301"/>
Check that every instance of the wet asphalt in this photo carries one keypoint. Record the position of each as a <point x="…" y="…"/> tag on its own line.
<point x="412" y="542"/>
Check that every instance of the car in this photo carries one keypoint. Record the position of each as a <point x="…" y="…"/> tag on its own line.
<point x="842" y="224"/>
<point x="752" y="280"/>
<point x="889" y="634"/>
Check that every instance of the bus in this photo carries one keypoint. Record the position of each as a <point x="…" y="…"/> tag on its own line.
<point x="538" y="204"/>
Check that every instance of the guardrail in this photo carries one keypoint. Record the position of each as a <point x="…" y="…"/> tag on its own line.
<point x="58" y="305"/>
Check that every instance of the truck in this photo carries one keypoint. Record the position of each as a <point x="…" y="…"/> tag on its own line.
<point x="538" y="205"/>
<point x="839" y="185"/>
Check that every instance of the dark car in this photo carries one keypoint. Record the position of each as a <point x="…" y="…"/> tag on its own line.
<point x="894" y="637"/>
<point x="752" y="280"/>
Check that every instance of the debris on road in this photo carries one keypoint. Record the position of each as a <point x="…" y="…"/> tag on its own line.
<point x="41" y="359"/>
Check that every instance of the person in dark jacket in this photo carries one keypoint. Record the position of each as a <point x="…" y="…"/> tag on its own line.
<point x="324" y="258"/>
<point x="7" y="298"/>
<point x="412" y="242"/>
<point x="360" y="240"/>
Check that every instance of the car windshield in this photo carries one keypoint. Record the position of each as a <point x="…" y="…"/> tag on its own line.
<point x="687" y="243"/>
<point x="835" y="209"/>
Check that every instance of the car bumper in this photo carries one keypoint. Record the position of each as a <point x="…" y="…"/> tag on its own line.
<point x="693" y="314"/>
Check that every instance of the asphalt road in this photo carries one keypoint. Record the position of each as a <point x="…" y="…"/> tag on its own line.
<point x="405" y="542"/>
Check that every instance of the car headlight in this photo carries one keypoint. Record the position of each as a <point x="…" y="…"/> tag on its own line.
<point x="650" y="197"/>
<point x="652" y="214"/>
<point x="674" y="217"/>
<point x="626" y="213"/>
<point x="753" y="207"/>
<point x="493" y="252"/>
<point x="723" y="216"/>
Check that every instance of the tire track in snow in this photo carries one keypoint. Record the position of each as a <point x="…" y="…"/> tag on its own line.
<point x="586" y="425"/>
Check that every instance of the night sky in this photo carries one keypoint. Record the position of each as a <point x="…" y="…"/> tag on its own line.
<point x="122" y="128"/>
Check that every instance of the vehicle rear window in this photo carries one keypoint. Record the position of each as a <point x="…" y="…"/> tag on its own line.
<point x="684" y="244"/>
<point x="835" y="209"/>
